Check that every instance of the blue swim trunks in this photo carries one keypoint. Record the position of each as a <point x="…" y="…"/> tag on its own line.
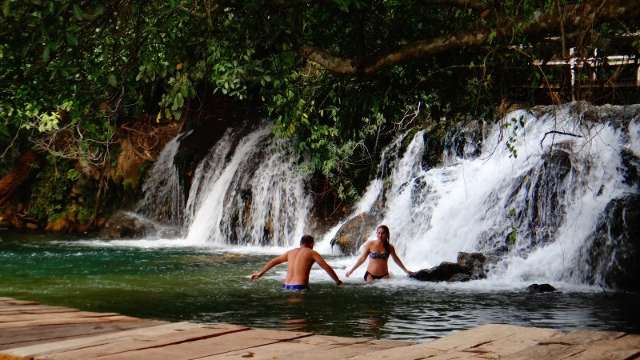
<point x="294" y="287"/>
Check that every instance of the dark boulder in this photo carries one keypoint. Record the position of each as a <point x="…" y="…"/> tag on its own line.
<point x="354" y="233"/>
<point x="630" y="168"/>
<point x="474" y="263"/>
<point x="469" y="266"/>
<point x="126" y="225"/>
<point x="446" y="271"/>
<point x="540" y="288"/>
<point x="614" y="247"/>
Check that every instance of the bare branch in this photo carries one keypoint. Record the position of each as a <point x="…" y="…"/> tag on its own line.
<point x="559" y="133"/>
<point x="573" y="16"/>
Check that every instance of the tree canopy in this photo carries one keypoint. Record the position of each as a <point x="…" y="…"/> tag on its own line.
<point x="338" y="77"/>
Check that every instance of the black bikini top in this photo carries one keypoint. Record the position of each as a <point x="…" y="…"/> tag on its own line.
<point x="379" y="255"/>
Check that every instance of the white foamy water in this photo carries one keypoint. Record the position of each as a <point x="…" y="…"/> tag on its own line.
<point x="534" y="211"/>
<point x="634" y="137"/>
<point x="206" y="224"/>
<point x="474" y="204"/>
<point x="256" y="198"/>
<point x="163" y="199"/>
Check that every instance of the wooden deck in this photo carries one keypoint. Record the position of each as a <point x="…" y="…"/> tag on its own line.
<point x="33" y="331"/>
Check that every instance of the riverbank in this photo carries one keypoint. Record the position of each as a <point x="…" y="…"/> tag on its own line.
<point x="34" y="331"/>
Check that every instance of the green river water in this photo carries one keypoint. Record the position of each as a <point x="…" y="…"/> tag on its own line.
<point x="211" y="285"/>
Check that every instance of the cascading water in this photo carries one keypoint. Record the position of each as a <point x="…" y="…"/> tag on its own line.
<point x="372" y="195"/>
<point x="534" y="211"/>
<point x="163" y="198"/>
<point x="250" y="194"/>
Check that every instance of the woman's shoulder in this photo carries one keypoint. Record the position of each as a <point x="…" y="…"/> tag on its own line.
<point x="371" y="243"/>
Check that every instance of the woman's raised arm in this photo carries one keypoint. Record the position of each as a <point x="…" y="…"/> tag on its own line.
<point x="361" y="259"/>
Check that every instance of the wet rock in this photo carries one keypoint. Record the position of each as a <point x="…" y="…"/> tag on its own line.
<point x="614" y="247"/>
<point x="126" y="225"/>
<point x="537" y="208"/>
<point x="630" y="168"/>
<point x="354" y="233"/>
<point x="460" y="278"/>
<point x="469" y="266"/>
<point x="446" y="271"/>
<point x="540" y="288"/>
<point x="474" y="263"/>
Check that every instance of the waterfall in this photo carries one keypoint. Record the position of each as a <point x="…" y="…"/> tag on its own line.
<point x="163" y="198"/>
<point x="534" y="209"/>
<point x="538" y="206"/>
<point x="248" y="192"/>
<point x="372" y="195"/>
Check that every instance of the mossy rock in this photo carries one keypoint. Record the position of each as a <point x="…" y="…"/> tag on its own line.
<point x="354" y="233"/>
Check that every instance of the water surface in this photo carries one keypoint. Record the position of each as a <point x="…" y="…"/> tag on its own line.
<point x="211" y="285"/>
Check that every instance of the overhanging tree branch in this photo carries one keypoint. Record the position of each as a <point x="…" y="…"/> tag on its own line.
<point x="574" y="16"/>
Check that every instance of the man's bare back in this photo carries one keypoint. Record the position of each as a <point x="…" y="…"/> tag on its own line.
<point x="299" y="262"/>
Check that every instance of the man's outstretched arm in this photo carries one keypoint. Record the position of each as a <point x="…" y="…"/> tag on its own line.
<point x="323" y="264"/>
<point x="273" y="262"/>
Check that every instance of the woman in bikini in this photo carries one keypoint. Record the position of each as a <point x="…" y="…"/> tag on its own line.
<point x="378" y="252"/>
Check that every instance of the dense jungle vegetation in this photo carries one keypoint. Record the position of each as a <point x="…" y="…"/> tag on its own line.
<point x="80" y="79"/>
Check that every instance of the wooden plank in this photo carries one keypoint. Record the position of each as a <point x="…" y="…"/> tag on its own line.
<point x="48" y="332"/>
<point x="18" y="302"/>
<point x="25" y="336"/>
<point x="486" y="335"/>
<point x="216" y="345"/>
<point x="142" y="334"/>
<point x="12" y="318"/>
<point x="623" y="348"/>
<point x="69" y="321"/>
<point x="580" y="337"/>
<point x="482" y="341"/>
<point x="584" y="345"/>
<point x="278" y="350"/>
<point x="141" y="345"/>
<point x="520" y="338"/>
<point x="35" y="310"/>
<point x="418" y="351"/>
<point x="313" y="347"/>
<point x="9" y="357"/>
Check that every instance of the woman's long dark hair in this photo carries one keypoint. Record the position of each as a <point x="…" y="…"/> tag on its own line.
<point x="385" y="242"/>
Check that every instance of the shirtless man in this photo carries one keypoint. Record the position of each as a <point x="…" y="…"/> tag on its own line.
<point x="299" y="265"/>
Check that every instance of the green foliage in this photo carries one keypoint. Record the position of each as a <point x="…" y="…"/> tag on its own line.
<point x="50" y="190"/>
<point x="512" y="126"/>
<point x="75" y="70"/>
<point x="73" y="175"/>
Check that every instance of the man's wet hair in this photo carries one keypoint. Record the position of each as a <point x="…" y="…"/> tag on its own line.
<point x="306" y="240"/>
